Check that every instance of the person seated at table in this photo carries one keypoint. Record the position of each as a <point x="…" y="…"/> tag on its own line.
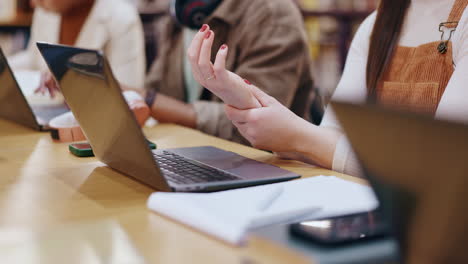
<point x="268" y="47"/>
<point x="397" y="59"/>
<point x="112" y="26"/>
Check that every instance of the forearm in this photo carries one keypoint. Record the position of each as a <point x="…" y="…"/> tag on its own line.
<point x="169" y="110"/>
<point x="212" y="120"/>
<point x="316" y="144"/>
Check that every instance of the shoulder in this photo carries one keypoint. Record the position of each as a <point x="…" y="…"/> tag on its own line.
<point x="280" y="10"/>
<point x="365" y="29"/>
<point x="361" y="40"/>
<point x="462" y="28"/>
<point x="460" y="39"/>
<point x="42" y="16"/>
<point x="369" y="22"/>
<point x="42" y="19"/>
<point x="273" y="13"/>
<point x="120" y="13"/>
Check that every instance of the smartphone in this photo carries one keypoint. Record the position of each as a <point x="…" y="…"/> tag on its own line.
<point x="85" y="150"/>
<point x="343" y="229"/>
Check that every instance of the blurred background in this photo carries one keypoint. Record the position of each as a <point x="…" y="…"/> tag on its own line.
<point x="330" y="24"/>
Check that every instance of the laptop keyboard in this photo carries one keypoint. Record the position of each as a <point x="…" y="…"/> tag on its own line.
<point x="178" y="169"/>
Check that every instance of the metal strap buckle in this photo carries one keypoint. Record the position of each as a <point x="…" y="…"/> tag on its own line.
<point x="443" y="46"/>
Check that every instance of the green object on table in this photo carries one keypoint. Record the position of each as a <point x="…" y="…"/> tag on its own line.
<point x="83" y="150"/>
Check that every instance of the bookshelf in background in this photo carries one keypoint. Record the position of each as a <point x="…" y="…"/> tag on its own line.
<point x="15" y="22"/>
<point x="331" y="25"/>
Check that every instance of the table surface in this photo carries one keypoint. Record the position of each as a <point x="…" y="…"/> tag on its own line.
<point x="49" y="196"/>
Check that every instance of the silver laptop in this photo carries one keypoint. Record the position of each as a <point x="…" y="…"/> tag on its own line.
<point x="13" y="104"/>
<point x="419" y="170"/>
<point x="96" y="100"/>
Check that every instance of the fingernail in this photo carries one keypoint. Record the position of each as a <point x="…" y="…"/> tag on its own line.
<point x="224" y="46"/>
<point x="203" y="28"/>
<point x="247" y="82"/>
<point x="208" y="35"/>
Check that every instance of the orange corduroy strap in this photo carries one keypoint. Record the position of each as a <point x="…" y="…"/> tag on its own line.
<point x="456" y="13"/>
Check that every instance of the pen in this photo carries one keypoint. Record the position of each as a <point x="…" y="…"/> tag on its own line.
<point x="266" y="203"/>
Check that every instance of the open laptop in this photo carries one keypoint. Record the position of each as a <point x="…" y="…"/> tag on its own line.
<point x="418" y="168"/>
<point x="94" y="96"/>
<point x="14" y="106"/>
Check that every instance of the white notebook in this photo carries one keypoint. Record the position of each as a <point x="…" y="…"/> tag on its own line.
<point x="229" y="215"/>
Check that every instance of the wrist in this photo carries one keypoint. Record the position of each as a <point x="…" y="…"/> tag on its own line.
<point x="150" y="97"/>
<point x="302" y="136"/>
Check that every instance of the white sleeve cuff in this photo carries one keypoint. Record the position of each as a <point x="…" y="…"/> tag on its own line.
<point x="345" y="160"/>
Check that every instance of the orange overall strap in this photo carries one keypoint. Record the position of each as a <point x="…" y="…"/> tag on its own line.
<point x="457" y="12"/>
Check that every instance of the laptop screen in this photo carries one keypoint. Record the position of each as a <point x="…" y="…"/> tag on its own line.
<point x="13" y="104"/>
<point x="418" y="168"/>
<point x="95" y="98"/>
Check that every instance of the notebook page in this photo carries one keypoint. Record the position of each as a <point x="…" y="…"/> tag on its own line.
<point x="228" y="215"/>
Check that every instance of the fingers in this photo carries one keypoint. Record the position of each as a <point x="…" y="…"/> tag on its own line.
<point x="41" y="89"/>
<point x="51" y="86"/>
<point x="264" y="99"/>
<point x="247" y="132"/>
<point x="204" y="62"/>
<point x="233" y="114"/>
<point x="239" y="116"/>
<point x="193" y="52"/>
<point x="244" y="121"/>
<point x="220" y="62"/>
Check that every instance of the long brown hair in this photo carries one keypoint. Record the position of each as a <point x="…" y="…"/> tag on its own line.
<point x="385" y="35"/>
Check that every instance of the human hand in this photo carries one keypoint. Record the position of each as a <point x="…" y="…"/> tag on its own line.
<point x="272" y="127"/>
<point x="228" y="86"/>
<point x="138" y="106"/>
<point x="47" y="83"/>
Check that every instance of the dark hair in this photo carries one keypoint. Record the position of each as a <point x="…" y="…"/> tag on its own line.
<point x="385" y="35"/>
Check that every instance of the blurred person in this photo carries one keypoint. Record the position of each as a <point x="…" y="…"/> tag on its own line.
<point x="268" y="46"/>
<point x="398" y="59"/>
<point x="112" y="26"/>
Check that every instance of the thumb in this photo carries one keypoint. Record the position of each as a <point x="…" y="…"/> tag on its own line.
<point x="264" y="99"/>
<point x="236" y="115"/>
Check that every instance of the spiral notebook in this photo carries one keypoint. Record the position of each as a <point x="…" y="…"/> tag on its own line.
<point x="229" y="215"/>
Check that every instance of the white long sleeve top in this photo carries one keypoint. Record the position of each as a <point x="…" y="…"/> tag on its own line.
<point x="113" y="26"/>
<point x="421" y="26"/>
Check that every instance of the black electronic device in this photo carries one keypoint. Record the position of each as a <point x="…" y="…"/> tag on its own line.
<point x="342" y="229"/>
<point x="193" y="13"/>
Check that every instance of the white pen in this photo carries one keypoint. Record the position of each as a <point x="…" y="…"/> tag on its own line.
<point x="267" y="201"/>
<point x="292" y="216"/>
<point x="259" y="219"/>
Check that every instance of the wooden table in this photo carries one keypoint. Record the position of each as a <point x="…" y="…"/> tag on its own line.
<point x="56" y="207"/>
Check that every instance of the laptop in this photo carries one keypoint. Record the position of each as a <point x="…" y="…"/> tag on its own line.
<point x="419" y="170"/>
<point x="95" y="98"/>
<point x="14" y="106"/>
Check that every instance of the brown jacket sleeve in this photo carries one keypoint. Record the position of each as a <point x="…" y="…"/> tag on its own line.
<point x="272" y="54"/>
